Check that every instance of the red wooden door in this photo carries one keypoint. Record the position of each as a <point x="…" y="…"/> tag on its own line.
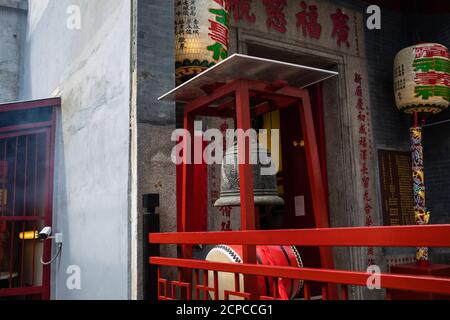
<point x="26" y="194"/>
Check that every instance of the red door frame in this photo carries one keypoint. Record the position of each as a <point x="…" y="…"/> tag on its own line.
<point x="48" y="127"/>
<point x="283" y="96"/>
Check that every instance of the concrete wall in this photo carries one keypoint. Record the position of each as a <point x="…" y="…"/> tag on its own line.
<point x="12" y="19"/>
<point x="90" y="69"/>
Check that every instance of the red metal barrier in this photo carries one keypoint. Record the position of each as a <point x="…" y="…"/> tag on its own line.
<point x="405" y="236"/>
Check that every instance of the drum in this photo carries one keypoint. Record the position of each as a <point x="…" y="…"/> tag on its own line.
<point x="287" y="256"/>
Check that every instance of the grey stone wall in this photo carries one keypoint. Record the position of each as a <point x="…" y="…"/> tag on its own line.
<point x="12" y="19"/>
<point x="389" y="125"/>
<point x="90" y="69"/>
<point x="155" y="119"/>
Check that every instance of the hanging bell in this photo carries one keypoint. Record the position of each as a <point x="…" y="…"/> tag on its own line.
<point x="264" y="178"/>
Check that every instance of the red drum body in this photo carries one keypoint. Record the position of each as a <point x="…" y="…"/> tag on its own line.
<point x="286" y="256"/>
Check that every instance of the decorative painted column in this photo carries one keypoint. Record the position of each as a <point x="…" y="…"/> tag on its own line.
<point x="422" y="85"/>
<point x="422" y="216"/>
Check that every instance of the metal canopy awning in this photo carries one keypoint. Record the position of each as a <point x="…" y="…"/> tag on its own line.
<point x="239" y="66"/>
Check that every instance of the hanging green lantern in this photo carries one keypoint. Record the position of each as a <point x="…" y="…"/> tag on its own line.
<point x="422" y="78"/>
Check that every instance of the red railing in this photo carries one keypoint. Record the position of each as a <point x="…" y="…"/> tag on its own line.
<point x="199" y="287"/>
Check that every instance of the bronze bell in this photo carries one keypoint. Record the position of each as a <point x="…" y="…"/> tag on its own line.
<point x="264" y="186"/>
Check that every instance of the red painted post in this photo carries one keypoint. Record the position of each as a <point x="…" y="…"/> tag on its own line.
<point x="306" y="291"/>
<point x="36" y="159"/>
<point x="11" y="247"/>
<point x="344" y="292"/>
<point x="248" y="222"/>
<point x="216" y="286"/>
<point x="187" y="189"/>
<point x="24" y="212"/>
<point x="316" y="181"/>
<point x="188" y="173"/>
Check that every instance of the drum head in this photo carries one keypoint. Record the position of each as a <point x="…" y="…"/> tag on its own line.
<point x="267" y="255"/>
<point x="224" y="254"/>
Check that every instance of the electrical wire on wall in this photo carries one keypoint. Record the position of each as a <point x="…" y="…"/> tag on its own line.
<point x="54" y="258"/>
